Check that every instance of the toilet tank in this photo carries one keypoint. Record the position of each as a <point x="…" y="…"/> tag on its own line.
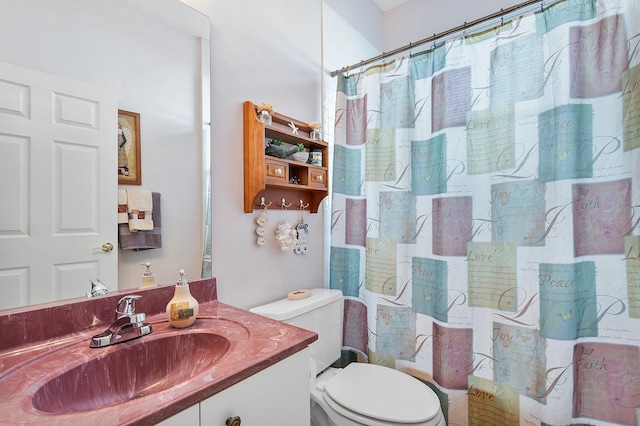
<point x="321" y="312"/>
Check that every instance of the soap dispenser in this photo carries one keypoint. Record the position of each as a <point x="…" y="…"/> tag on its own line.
<point x="147" y="277"/>
<point x="182" y="310"/>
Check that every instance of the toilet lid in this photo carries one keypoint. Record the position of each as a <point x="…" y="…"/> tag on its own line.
<point x="382" y="393"/>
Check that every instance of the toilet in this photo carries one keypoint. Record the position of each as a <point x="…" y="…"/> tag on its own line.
<point x="360" y="393"/>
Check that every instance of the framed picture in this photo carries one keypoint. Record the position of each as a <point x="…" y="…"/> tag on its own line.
<point x="129" y="171"/>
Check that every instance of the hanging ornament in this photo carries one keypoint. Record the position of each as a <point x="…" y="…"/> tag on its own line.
<point x="302" y="231"/>
<point x="261" y="230"/>
<point x="286" y="235"/>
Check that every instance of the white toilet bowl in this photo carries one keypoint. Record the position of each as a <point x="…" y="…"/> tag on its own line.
<point x="359" y="394"/>
<point x="372" y="395"/>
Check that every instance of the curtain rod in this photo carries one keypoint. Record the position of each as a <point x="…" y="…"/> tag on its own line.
<point x="434" y="37"/>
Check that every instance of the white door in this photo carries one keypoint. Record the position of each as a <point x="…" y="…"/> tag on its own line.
<point x="58" y="187"/>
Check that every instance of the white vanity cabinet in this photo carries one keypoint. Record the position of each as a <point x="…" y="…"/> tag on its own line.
<point x="277" y="395"/>
<point x="187" y="417"/>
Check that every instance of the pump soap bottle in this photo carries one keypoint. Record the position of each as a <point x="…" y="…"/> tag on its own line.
<point x="147" y="278"/>
<point x="182" y="310"/>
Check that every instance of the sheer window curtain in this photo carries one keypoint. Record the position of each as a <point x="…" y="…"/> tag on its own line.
<point x="484" y="222"/>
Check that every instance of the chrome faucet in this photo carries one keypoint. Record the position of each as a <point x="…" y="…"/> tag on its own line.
<point x="126" y="326"/>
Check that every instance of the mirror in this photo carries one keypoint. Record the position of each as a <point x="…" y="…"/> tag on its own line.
<point x="154" y="54"/>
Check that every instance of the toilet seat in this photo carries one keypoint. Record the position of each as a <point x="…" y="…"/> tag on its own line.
<point x="375" y="395"/>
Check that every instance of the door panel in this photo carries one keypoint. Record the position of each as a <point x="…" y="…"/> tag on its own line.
<point x="14" y="169"/>
<point x="58" y="187"/>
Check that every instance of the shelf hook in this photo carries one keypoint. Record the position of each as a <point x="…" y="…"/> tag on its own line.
<point x="284" y="204"/>
<point x="303" y="205"/>
<point x="262" y="203"/>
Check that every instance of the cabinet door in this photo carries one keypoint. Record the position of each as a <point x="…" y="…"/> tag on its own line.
<point x="187" y="417"/>
<point x="277" y="395"/>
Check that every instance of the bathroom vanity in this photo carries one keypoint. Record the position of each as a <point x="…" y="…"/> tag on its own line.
<point x="229" y="365"/>
<point x="273" y="396"/>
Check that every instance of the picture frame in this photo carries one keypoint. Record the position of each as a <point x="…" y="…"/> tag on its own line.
<point x="129" y="154"/>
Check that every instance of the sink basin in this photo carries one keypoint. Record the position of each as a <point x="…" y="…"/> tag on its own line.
<point x="129" y="371"/>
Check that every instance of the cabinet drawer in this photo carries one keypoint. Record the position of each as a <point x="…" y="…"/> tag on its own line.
<point x="277" y="172"/>
<point x="317" y="178"/>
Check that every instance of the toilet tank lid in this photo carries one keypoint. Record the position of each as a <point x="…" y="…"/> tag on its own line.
<point x="285" y="309"/>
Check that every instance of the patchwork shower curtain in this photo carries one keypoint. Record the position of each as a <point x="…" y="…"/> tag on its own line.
<point x="485" y="217"/>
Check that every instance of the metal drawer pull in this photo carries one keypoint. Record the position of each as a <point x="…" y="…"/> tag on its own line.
<point x="233" y="421"/>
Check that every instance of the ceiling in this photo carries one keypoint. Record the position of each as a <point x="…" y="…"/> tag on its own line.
<point x="388" y="4"/>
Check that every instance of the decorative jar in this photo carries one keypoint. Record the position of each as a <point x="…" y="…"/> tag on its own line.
<point x="265" y="117"/>
<point x="315" y="157"/>
<point x="316" y="134"/>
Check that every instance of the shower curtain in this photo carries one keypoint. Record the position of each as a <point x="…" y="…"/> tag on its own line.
<point x="485" y="217"/>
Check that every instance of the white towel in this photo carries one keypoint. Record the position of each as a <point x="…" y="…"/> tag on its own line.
<point x="123" y="217"/>
<point x="140" y="210"/>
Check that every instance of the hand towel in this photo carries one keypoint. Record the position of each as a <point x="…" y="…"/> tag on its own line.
<point x="140" y="208"/>
<point x="143" y="240"/>
<point x="123" y="217"/>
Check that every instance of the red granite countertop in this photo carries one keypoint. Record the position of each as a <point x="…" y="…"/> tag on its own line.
<point x="39" y="343"/>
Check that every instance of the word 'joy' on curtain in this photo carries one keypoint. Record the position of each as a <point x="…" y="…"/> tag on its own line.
<point x="485" y="217"/>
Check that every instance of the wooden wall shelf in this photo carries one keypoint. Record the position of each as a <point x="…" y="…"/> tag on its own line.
<point x="270" y="177"/>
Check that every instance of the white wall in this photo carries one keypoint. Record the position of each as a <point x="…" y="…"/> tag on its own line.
<point x="357" y="20"/>
<point x="262" y="52"/>
<point x="265" y="52"/>
<point x="155" y="70"/>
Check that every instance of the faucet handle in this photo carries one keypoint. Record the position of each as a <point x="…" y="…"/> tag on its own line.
<point x="127" y="305"/>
